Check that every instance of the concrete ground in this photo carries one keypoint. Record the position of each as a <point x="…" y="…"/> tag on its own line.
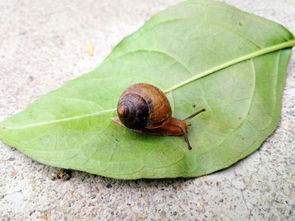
<point x="45" y="43"/>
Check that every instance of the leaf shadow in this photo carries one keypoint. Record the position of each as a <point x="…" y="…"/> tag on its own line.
<point x="175" y="183"/>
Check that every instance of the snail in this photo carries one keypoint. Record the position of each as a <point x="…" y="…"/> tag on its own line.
<point x="145" y="109"/>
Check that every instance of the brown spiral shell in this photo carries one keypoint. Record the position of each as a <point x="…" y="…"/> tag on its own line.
<point x="143" y="106"/>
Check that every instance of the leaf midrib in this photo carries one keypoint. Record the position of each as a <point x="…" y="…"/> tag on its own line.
<point x="251" y="55"/>
<point x="59" y="120"/>
<point x="260" y="52"/>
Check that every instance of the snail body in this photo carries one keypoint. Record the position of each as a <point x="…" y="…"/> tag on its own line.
<point x="145" y="109"/>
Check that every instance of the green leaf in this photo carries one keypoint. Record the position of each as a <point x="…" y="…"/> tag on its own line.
<point x="203" y="54"/>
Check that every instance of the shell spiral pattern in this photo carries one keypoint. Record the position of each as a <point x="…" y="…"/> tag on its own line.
<point x="133" y="111"/>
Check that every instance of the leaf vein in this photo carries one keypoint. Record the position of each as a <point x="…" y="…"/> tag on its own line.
<point x="45" y="123"/>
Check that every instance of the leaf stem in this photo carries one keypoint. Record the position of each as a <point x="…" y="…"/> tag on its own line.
<point x="263" y="51"/>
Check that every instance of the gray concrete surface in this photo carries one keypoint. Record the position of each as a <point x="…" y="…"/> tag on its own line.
<point x="44" y="44"/>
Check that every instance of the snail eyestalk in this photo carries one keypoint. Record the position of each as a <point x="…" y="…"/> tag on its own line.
<point x="194" y="114"/>
<point x="187" y="141"/>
